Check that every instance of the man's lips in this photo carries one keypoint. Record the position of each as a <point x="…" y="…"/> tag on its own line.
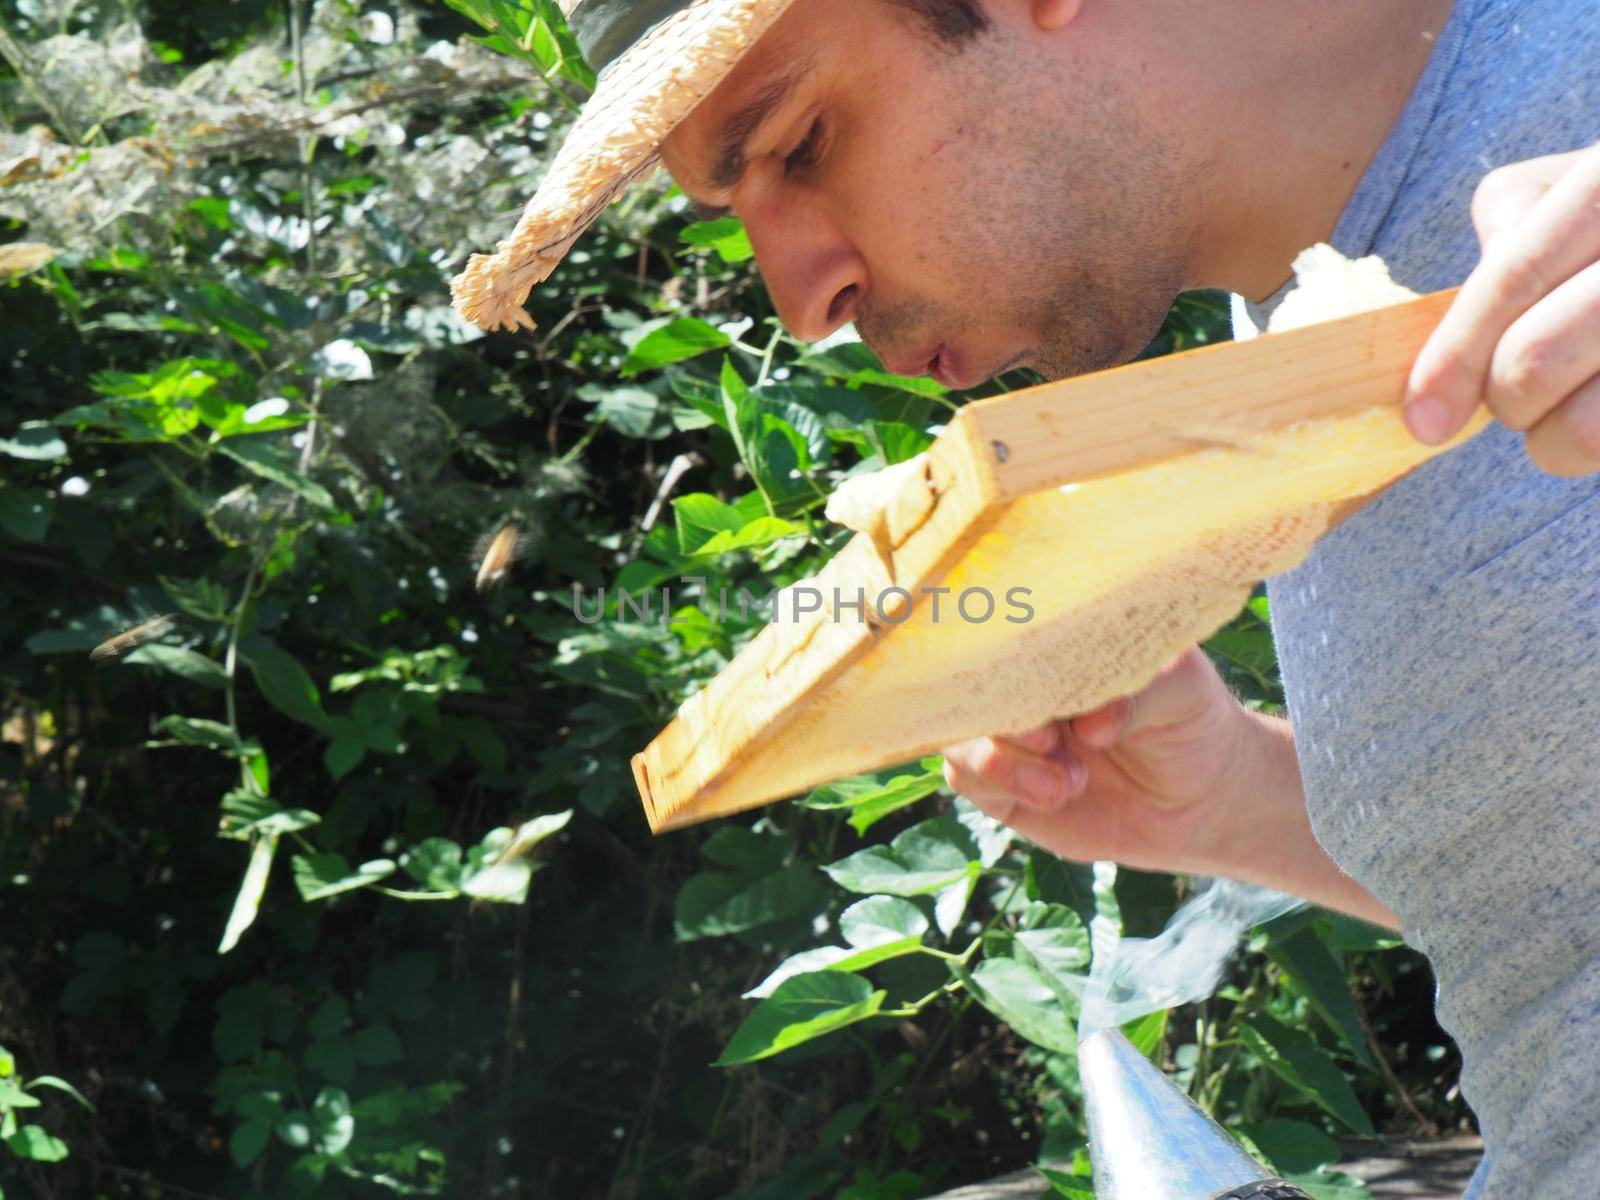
<point x="945" y="364"/>
<point x="939" y="361"/>
<point x="924" y="362"/>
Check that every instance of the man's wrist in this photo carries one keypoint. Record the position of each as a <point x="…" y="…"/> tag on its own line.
<point x="1261" y="830"/>
<point x="1254" y="784"/>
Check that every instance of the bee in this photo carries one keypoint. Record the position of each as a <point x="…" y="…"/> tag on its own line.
<point x="124" y="643"/>
<point x="497" y="551"/>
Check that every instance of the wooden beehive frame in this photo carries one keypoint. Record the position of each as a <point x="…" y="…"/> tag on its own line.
<point x="993" y="453"/>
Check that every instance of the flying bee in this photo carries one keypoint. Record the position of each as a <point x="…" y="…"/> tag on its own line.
<point x="496" y="551"/>
<point x="129" y="640"/>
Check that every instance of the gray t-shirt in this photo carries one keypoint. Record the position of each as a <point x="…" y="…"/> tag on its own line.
<point x="1441" y="649"/>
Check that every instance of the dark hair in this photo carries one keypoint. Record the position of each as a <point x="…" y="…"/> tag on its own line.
<point x="951" y="21"/>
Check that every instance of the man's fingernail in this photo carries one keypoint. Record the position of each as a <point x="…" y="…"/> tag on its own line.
<point x="1428" y="419"/>
<point x="1040" y="784"/>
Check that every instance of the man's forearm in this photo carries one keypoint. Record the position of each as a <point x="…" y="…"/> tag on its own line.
<point x="1268" y="840"/>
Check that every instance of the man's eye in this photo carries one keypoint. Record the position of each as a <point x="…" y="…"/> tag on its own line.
<point x="805" y="154"/>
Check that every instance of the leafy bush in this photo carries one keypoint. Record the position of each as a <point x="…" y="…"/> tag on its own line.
<point x="260" y="909"/>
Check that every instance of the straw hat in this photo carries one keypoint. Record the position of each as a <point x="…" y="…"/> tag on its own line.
<point x="656" y="60"/>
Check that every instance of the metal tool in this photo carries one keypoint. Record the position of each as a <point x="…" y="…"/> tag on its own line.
<point x="1149" y="1141"/>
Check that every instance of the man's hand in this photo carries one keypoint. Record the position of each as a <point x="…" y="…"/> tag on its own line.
<point x="1178" y="777"/>
<point x="1138" y="781"/>
<point x="1523" y="335"/>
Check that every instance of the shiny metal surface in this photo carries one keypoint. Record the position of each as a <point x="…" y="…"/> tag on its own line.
<point x="1149" y="1141"/>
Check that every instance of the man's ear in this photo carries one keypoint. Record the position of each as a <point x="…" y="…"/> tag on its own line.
<point x="1050" y="15"/>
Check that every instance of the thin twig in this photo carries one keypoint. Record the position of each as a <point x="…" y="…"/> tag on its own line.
<point x="1429" y="1129"/>
<point x="676" y="469"/>
<point x="308" y="145"/>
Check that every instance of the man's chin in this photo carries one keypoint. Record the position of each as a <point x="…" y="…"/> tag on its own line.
<point x="1081" y="357"/>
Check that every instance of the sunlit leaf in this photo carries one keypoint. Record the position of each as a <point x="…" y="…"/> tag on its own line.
<point x="36" y="440"/>
<point x="33" y="1142"/>
<point x="318" y="876"/>
<point x="248" y="901"/>
<point x="675" y="341"/>
<point x="921" y="860"/>
<point x="725" y="235"/>
<point x="805" y="1007"/>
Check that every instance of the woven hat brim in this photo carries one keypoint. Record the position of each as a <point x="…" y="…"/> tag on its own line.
<point x="615" y="139"/>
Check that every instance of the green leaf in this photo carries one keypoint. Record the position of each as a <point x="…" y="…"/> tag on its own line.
<point x="247" y="814"/>
<point x="869" y="802"/>
<point x="319" y="876"/>
<point x="249" y="1140"/>
<point x="701" y="517"/>
<point x="199" y="731"/>
<point x="1296" y="1058"/>
<point x="1249" y="649"/>
<point x="13" y="1096"/>
<point x="343" y="755"/>
<point x="196" y="668"/>
<point x="329" y="1019"/>
<point x="750" y="850"/>
<point x="880" y="920"/>
<point x="838" y="958"/>
<point x="267" y="458"/>
<point x="25" y="514"/>
<point x="1021" y="996"/>
<point x="763" y="531"/>
<point x="377" y="1046"/>
<point x="1048" y="877"/>
<point x="1317" y="975"/>
<point x="1291" y="1146"/>
<point x="1346" y="933"/>
<point x="1145" y="1034"/>
<point x="950" y="903"/>
<point x="675" y="341"/>
<point x="34" y="1143"/>
<point x="631" y="411"/>
<point x="202" y="598"/>
<point x="286" y="684"/>
<point x="1055" y="942"/>
<point x="507" y="843"/>
<point x="332" y="1058"/>
<point x="917" y="385"/>
<point x="805" y="1007"/>
<point x="726" y="236"/>
<point x="294" y="1127"/>
<point x="335" y="1125"/>
<point x="248" y="902"/>
<point x="61" y="1085"/>
<point x="877" y="929"/>
<point x="921" y="860"/>
<point x="765" y="451"/>
<point x="35" y="440"/>
<point x="716" y="903"/>
<point x="435" y="863"/>
<point x="502" y="883"/>
<point x="1077" y="1187"/>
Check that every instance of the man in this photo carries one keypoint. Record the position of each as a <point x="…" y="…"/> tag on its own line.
<point x="985" y="184"/>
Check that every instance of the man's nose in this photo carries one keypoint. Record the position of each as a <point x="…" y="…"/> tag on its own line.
<point x="815" y="275"/>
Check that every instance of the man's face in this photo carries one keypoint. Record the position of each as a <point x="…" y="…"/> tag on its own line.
<point x="972" y="208"/>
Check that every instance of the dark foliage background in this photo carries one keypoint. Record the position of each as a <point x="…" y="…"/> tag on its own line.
<point x="232" y="390"/>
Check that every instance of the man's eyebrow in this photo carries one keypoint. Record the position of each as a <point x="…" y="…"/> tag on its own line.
<point x="743" y="125"/>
